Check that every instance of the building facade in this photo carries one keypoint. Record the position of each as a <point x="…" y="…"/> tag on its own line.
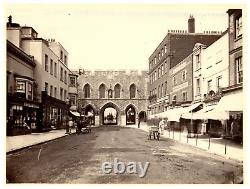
<point x="113" y="97"/>
<point x="216" y="70"/>
<point x="51" y="74"/>
<point x="176" y="46"/>
<point x="181" y="84"/>
<point x="22" y="106"/>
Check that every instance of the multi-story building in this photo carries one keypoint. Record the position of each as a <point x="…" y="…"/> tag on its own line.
<point x="215" y="75"/>
<point x="51" y="73"/>
<point x="113" y="96"/>
<point x="73" y="92"/>
<point x="181" y="77"/>
<point x="22" y="106"/>
<point x="176" y="46"/>
<point x="232" y="96"/>
<point x="210" y="69"/>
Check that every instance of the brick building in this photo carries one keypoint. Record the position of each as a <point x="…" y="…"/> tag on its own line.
<point x="124" y="93"/>
<point x="176" y="46"/>
<point x="181" y="85"/>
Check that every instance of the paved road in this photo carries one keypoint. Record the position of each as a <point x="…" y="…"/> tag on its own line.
<point x="78" y="159"/>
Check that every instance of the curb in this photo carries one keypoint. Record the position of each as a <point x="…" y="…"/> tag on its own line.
<point x="221" y="155"/>
<point x="25" y="147"/>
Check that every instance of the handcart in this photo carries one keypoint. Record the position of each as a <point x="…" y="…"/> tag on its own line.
<point x="153" y="132"/>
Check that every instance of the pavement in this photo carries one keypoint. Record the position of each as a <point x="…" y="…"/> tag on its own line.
<point x="79" y="158"/>
<point x="217" y="146"/>
<point x="14" y="143"/>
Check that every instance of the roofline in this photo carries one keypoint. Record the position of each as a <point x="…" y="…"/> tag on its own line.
<point x="171" y="34"/>
<point x="20" y="53"/>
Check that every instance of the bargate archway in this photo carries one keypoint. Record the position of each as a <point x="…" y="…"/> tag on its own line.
<point x="110" y="114"/>
<point x="130" y="115"/>
<point x="90" y="112"/>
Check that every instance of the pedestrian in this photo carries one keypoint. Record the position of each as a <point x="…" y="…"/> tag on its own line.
<point x="161" y="126"/>
<point x="139" y="121"/>
<point x="70" y="124"/>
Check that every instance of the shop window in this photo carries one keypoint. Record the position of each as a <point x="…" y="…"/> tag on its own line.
<point x="20" y="86"/>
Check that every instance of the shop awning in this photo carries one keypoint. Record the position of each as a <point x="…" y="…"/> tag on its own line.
<point x="217" y="115"/>
<point x="75" y="114"/>
<point x="232" y="102"/>
<point x="199" y="114"/>
<point x="176" y="114"/>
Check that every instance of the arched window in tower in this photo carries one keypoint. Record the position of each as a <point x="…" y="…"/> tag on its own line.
<point x="110" y="93"/>
<point x="117" y="91"/>
<point x="86" y="90"/>
<point x="132" y="89"/>
<point x="102" y="89"/>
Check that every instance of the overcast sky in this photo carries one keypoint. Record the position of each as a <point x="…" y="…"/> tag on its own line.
<point x="113" y="36"/>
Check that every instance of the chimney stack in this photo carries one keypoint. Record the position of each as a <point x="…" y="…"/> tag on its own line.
<point x="191" y="24"/>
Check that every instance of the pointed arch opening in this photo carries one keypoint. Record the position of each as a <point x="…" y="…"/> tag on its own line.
<point x="117" y="91"/>
<point x="132" y="90"/>
<point x="86" y="90"/>
<point x="130" y="115"/>
<point x="102" y="89"/>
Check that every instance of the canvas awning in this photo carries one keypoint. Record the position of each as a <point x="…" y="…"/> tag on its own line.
<point x="176" y="114"/>
<point x="232" y="102"/>
<point x="75" y="114"/>
<point x="199" y="114"/>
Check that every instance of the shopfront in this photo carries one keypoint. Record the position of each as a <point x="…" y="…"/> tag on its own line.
<point x="21" y="116"/>
<point x="54" y="113"/>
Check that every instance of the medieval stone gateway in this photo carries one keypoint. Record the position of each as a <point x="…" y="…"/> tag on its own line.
<point x="123" y="93"/>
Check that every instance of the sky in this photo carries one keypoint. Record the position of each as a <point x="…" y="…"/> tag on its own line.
<point x="113" y="36"/>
